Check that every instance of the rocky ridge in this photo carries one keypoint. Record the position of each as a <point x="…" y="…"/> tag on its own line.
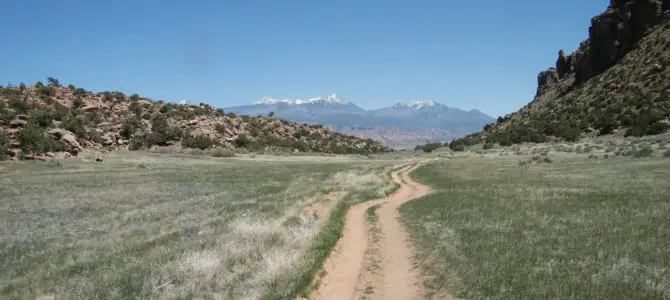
<point x="43" y="121"/>
<point x="616" y="82"/>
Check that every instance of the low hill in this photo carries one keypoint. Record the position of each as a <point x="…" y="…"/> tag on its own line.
<point x="617" y="82"/>
<point x="47" y="119"/>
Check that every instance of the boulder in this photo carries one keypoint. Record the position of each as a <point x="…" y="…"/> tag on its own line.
<point x="90" y="108"/>
<point x="16" y="123"/>
<point x="68" y="139"/>
<point x="62" y="155"/>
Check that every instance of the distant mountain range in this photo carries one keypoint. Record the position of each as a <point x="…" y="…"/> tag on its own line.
<point x="402" y="125"/>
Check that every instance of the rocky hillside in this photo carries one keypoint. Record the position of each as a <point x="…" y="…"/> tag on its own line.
<point x="41" y="121"/>
<point x="616" y="82"/>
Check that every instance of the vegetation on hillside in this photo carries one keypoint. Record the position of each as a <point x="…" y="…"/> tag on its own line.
<point x="112" y="120"/>
<point x="632" y="98"/>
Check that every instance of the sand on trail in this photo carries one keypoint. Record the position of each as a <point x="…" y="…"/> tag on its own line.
<point x="347" y="273"/>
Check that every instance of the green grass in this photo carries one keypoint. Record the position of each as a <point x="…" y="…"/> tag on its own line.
<point x="184" y="227"/>
<point x="572" y="229"/>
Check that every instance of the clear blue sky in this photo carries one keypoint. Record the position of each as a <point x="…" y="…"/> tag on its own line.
<point x="466" y="54"/>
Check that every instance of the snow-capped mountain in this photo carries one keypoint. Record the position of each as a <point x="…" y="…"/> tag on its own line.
<point x="400" y="125"/>
<point x="330" y="99"/>
<point x="415" y="104"/>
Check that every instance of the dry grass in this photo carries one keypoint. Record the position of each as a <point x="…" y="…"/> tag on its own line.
<point x="182" y="227"/>
<point x="576" y="228"/>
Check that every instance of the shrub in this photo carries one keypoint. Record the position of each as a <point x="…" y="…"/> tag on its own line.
<point x="4" y="146"/>
<point x="666" y="153"/>
<point x="162" y="132"/>
<point x="33" y="139"/>
<point x="79" y="92"/>
<point x="219" y="152"/>
<point x="199" y="141"/>
<point x="77" y="102"/>
<point x="134" y="97"/>
<point x="430" y="147"/>
<point x="43" y="117"/>
<point x="457" y="147"/>
<point x="135" y="107"/>
<point x="61" y="112"/>
<point x="77" y="125"/>
<point x="130" y="126"/>
<point x="644" y="152"/>
<point x="53" y="81"/>
<point x="46" y="91"/>
<point x="241" y="141"/>
<point x="138" y="142"/>
<point x="547" y="160"/>
<point x="220" y="128"/>
<point x="18" y="104"/>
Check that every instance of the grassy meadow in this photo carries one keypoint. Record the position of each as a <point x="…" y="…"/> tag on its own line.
<point x="554" y="222"/>
<point x="159" y="226"/>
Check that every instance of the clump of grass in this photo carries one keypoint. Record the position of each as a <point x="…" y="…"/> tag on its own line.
<point x="220" y="152"/>
<point x="573" y="227"/>
<point x="644" y="152"/>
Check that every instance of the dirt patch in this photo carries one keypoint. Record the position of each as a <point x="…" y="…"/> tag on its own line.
<point x="347" y="273"/>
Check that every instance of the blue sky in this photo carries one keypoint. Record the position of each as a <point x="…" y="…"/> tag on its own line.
<point x="466" y="54"/>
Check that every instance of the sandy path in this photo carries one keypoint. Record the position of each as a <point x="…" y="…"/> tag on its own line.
<point x="346" y="275"/>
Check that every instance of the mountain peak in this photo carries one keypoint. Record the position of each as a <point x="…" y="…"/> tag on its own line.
<point x="416" y="104"/>
<point x="331" y="99"/>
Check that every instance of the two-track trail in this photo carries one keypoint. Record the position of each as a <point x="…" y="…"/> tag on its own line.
<point x="361" y="267"/>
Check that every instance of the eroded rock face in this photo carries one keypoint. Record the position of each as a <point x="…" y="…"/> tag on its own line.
<point x="546" y="80"/>
<point x="612" y="35"/>
<point x="615" y="32"/>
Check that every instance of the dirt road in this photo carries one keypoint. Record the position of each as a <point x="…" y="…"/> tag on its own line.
<point x="373" y="260"/>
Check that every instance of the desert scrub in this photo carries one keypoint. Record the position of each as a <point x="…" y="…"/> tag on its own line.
<point x="183" y="227"/>
<point x="578" y="229"/>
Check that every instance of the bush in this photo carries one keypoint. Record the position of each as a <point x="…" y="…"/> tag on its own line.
<point x="18" y="104"/>
<point x="43" y="117"/>
<point x="162" y="132"/>
<point x="219" y="152"/>
<point x="61" y="112"/>
<point x="199" y="141"/>
<point x="77" y="102"/>
<point x="79" y="92"/>
<point x="220" y="128"/>
<point x="644" y="152"/>
<point x="138" y="142"/>
<point x="77" y="125"/>
<point x="53" y="82"/>
<point x="135" y="107"/>
<point x="130" y="126"/>
<point x="4" y="146"/>
<point x="241" y="141"/>
<point x="430" y="147"/>
<point x="46" y="91"/>
<point x="34" y="140"/>
<point x="666" y="153"/>
<point x="457" y="147"/>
